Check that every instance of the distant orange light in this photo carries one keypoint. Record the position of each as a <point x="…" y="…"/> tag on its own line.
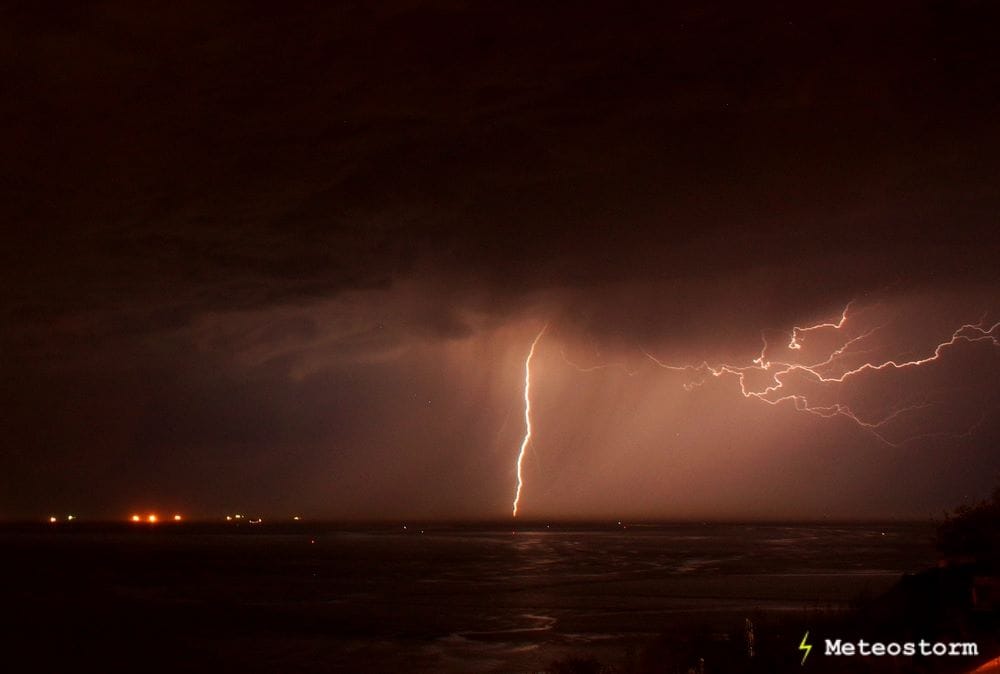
<point x="177" y="518"/>
<point x="152" y="519"/>
<point x="136" y="518"/>
<point x="229" y="518"/>
<point x="52" y="519"/>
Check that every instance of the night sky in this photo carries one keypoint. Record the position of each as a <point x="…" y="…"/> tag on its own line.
<point x="290" y="258"/>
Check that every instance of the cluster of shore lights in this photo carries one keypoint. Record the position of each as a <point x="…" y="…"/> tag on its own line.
<point x="152" y="518"/>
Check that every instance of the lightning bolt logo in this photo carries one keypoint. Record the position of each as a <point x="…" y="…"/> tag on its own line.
<point x="806" y="647"/>
<point x="527" y="418"/>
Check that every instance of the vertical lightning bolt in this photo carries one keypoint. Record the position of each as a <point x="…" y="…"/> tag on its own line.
<point x="527" y="417"/>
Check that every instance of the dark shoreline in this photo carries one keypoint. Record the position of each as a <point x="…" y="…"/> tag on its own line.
<point x="287" y="525"/>
<point x="310" y="596"/>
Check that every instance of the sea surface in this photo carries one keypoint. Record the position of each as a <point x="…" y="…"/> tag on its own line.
<point x="438" y="598"/>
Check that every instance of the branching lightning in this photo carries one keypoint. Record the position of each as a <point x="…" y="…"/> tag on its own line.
<point x="527" y="417"/>
<point x="775" y="388"/>
<point x="794" y="343"/>
<point x="600" y="366"/>
<point x="773" y="393"/>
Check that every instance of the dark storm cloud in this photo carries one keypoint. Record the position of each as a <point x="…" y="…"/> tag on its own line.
<point x="180" y="159"/>
<point x="203" y="199"/>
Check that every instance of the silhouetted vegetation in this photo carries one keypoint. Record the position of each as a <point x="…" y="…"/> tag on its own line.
<point x="972" y="532"/>
<point x="951" y="603"/>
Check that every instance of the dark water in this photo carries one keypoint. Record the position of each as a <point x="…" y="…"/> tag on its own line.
<point x="447" y="599"/>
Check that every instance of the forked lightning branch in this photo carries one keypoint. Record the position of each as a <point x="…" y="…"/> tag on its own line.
<point x="826" y="370"/>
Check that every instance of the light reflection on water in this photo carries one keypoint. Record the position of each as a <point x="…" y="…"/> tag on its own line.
<point x="460" y="599"/>
<point x="536" y="592"/>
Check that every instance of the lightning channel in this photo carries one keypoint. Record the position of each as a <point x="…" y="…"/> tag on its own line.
<point x="774" y="392"/>
<point x="527" y="418"/>
<point x="594" y="368"/>
<point x="795" y="344"/>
